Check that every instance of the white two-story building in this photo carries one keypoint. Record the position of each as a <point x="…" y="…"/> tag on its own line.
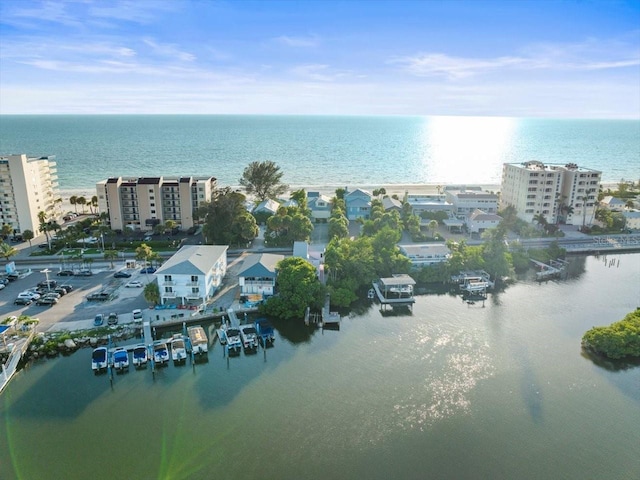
<point x="192" y="275"/>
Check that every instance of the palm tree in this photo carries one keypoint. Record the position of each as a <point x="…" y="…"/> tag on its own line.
<point x="7" y="251"/>
<point x="170" y="225"/>
<point x="6" y="230"/>
<point x="82" y="202"/>
<point x="44" y="226"/>
<point x="111" y="255"/>
<point x="540" y="220"/>
<point x="94" y="204"/>
<point x="28" y="236"/>
<point x="73" y="200"/>
<point x="433" y="226"/>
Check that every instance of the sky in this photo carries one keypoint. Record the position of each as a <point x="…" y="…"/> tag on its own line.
<point x="556" y="59"/>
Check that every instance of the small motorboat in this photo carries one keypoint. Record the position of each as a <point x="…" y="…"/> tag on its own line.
<point x="178" y="349"/>
<point x="160" y="352"/>
<point x="198" y="338"/>
<point x="140" y="356"/>
<point x="99" y="359"/>
<point x="120" y="359"/>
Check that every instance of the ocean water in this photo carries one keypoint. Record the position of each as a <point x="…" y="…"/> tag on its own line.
<point x="319" y="150"/>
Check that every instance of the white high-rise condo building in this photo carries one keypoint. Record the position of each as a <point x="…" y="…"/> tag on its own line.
<point x="142" y="203"/>
<point x="28" y="186"/>
<point x="562" y="193"/>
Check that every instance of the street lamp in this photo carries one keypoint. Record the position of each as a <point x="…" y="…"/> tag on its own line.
<point x="46" y="272"/>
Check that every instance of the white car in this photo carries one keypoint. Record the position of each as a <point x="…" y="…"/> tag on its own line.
<point x="134" y="284"/>
<point x="29" y="295"/>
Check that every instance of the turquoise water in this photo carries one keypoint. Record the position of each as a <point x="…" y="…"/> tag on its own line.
<point x="451" y="391"/>
<point x="317" y="150"/>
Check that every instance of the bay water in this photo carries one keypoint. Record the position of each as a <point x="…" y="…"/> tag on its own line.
<point x="493" y="390"/>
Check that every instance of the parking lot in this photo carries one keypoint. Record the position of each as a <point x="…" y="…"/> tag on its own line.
<point x="74" y="308"/>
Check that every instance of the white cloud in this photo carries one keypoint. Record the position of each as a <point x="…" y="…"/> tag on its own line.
<point x="317" y="72"/>
<point x="588" y="55"/>
<point x="169" y="50"/>
<point x="302" y="42"/>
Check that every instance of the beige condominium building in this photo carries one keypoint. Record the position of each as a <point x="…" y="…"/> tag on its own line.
<point x="27" y="187"/>
<point x="562" y="193"/>
<point x="144" y="202"/>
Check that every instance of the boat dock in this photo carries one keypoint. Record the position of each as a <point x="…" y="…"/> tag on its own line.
<point x="396" y="291"/>
<point x="551" y="270"/>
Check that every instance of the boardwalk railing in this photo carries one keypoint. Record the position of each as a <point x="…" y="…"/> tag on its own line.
<point x="10" y="367"/>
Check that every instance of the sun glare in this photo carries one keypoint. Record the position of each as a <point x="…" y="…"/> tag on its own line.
<point x="466" y="149"/>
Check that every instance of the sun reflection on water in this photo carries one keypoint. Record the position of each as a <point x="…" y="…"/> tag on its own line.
<point x="457" y="361"/>
<point x="464" y="149"/>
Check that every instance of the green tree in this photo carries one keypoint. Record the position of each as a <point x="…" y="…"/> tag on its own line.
<point x="298" y="287"/>
<point x="73" y="200"/>
<point x="82" y="201"/>
<point x="28" y="236"/>
<point x="7" y="251"/>
<point x="111" y="255"/>
<point x="263" y="179"/>
<point x="93" y="204"/>
<point x="226" y="220"/>
<point x="170" y="225"/>
<point x="618" y="340"/>
<point x="433" y="226"/>
<point x="151" y="293"/>
<point x="44" y="226"/>
<point x="143" y="252"/>
<point x="6" y="230"/>
<point x="495" y="253"/>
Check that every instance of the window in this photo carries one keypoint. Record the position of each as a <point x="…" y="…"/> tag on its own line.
<point x="153" y="212"/>
<point x="194" y="278"/>
<point x="167" y="278"/>
<point x="168" y="289"/>
<point x="195" y="290"/>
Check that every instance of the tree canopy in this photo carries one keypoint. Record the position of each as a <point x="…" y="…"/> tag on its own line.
<point x="297" y="288"/>
<point x="226" y="220"/>
<point x="618" y="340"/>
<point x="263" y="179"/>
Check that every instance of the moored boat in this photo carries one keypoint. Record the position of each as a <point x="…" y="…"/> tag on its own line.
<point x="249" y="337"/>
<point x="178" y="349"/>
<point x="234" y="344"/>
<point x="140" y="356"/>
<point x="198" y="338"/>
<point x="160" y="352"/>
<point x="99" y="359"/>
<point x="120" y="358"/>
<point x="265" y="331"/>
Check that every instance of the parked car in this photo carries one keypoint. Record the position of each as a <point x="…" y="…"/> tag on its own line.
<point x="48" y="284"/>
<point x="113" y="319"/>
<point x="47" y="300"/>
<point x="60" y="290"/>
<point x="84" y="273"/>
<point x="4" y="281"/>
<point x="148" y="270"/>
<point x="137" y="315"/>
<point x="134" y="284"/>
<point x="55" y="295"/>
<point x="65" y="273"/>
<point x="13" y="277"/>
<point x="99" y="320"/>
<point x="121" y="274"/>
<point x="29" y="294"/>
<point x="2" y="285"/>
<point x="23" y="301"/>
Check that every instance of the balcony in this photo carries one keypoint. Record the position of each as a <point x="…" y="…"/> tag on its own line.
<point x="168" y="282"/>
<point x="168" y="294"/>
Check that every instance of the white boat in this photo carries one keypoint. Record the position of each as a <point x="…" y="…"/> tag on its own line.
<point x="234" y="343"/>
<point x="198" y="338"/>
<point x="99" y="359"/>
<point x="120" y="358"/>
<point x="406" y="289"/>
<point x="160" y="352"/>
<point x="371" y="294"/>
<point x="249" y="337"/>
<point x="178" y="348"/>
<point x="140" y="356"/>
<point x="222" y="333"/>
